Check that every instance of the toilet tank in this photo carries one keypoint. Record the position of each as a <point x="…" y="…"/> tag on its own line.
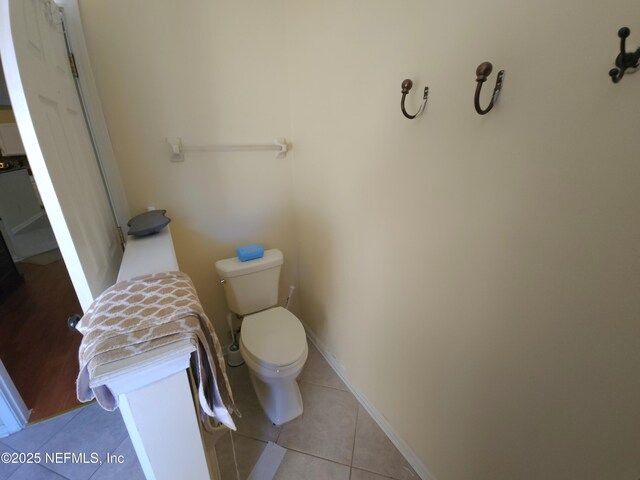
<point x="251" y="286"/>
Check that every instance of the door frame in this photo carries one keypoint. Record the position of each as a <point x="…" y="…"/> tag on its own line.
<point x="14" y="414"/>
<point x="93" y="107"/>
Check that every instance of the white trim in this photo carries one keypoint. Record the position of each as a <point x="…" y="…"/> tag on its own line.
<point x="21" y="226"/>
<point x="404" y="448"/>
<point x="136" y="439"/>
<point x="14" y="414"/>
<point x="91" y="100"/>
<point x="163" y="425"/>
<point x="159" y="363"/>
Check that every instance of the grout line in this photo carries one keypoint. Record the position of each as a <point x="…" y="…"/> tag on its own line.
<point x="127" y="436"/>
<point x="315" y="456"/>
<point x="327" y="386"/>
<point x="37" y="447"/>
<point x="383" y="475"/>
<point x="44" y="465"/>
<point x="355" y="434"/>
<point x="250" y="437"/>
<point x="405" y="450"/>
<point x="94" y="473"/>
<point x="5" y="445"/>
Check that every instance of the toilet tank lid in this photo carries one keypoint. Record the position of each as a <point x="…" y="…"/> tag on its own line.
<point x="232" y="267"/>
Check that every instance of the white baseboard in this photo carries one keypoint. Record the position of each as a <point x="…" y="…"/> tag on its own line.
<point x="382" y="422"/>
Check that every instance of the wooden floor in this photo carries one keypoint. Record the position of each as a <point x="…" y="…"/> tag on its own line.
<point x="36" y="346"/>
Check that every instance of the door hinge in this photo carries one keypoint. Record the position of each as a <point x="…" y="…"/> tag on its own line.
<point x="74" y="68"/>
<point x="121" y="237"/>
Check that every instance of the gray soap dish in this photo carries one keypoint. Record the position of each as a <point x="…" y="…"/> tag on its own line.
<point x="148" y="223"/>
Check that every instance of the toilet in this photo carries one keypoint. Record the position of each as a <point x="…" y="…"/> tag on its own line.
<point x="273" y="343"/>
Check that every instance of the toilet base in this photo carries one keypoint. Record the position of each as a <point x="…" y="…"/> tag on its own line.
<point x="281" y="401"/>
<point x="277" y="389"/>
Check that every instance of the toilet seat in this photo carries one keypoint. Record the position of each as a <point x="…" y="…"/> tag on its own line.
<point x="273" y="337"/>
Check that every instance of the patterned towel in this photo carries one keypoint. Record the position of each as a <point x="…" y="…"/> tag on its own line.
<point x="144" y="313"/>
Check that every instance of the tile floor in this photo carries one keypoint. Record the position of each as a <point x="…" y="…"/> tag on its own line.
<point x="335" y="439"/>
<point x="84" y="430"/>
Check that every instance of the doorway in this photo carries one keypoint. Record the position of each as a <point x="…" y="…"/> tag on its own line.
<point x="69" y="151"/>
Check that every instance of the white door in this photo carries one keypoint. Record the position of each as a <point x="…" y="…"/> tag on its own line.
<point x="49" y="115"/>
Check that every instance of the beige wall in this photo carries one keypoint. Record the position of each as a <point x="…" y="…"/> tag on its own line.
<point x="210" y="72"/>
<point x="476" y="276"/>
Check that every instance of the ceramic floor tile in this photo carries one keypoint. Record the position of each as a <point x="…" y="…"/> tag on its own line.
<point x="327" y="426"/>
<point x="93" y="430"/>
<point x="247" y="450"/>
<point x="130" y="469"/>
<point x="254" y="423"/>
<point x="33" y="471"/>
<point x="357" y="474"/>
<point x="298" y="466"/>
<point x="318" y="371"/>
<point x="6" y="467"/>
<point x="374" y="452"/>
<point x="34" y="436"/>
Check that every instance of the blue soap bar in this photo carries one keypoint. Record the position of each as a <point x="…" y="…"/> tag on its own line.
<point x="250" y="252"/>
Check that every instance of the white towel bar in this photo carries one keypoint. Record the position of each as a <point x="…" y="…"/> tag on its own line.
<point x="279" y="146"/>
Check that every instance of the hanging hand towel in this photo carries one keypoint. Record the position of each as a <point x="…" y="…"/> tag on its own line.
<point x="144" y="313"/>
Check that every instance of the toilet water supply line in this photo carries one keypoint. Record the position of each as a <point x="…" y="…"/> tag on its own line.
<point x="288" y="301"/>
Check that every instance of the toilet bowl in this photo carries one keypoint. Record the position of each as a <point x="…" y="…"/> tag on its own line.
<point x="274" y="346"/>
<point x="273" y="343"/>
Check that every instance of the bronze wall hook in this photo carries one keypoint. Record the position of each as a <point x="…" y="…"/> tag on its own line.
<point x="406" y="88"/>
<point x="482" y="72"/>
